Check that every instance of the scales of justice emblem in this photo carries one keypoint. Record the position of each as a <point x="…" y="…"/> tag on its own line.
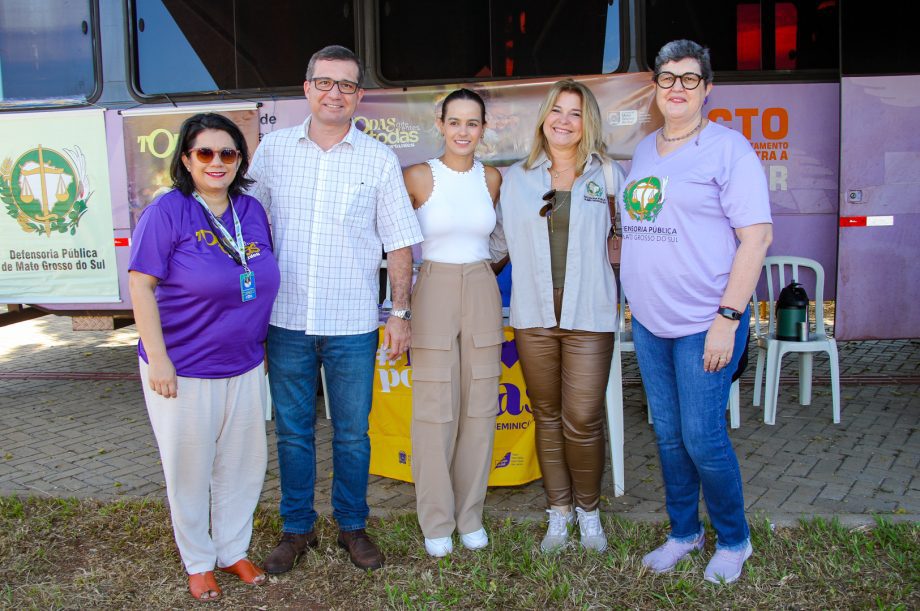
<point x="45" y="191"/>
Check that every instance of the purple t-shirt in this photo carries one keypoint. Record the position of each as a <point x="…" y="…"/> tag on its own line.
<point x="209" y="331"/>
<point x="679" y="213"/>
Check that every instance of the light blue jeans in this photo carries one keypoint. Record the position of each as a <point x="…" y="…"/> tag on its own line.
<point x="293" y="372"/>
<point x="688" y="412"/>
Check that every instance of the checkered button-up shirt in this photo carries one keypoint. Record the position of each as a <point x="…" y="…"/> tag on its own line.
<point x="332" y="212"/>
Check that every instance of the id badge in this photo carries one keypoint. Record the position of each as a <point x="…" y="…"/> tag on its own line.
<point x="248" y="285"/>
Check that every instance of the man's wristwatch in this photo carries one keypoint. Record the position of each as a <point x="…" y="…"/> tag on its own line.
<point x="403" y="314"/>
<point x="729" y="313"/>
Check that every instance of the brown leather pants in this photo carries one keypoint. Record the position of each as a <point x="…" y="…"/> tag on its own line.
<point x="566" y="374"/>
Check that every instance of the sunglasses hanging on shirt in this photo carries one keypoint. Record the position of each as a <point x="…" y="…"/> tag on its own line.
<point x="550" y="207"/>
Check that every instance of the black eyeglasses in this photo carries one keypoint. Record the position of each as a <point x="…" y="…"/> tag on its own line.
<point x="550" y="206"/>
<point x="690" y="80"/>
<point x="206" y="155"/>
<point x="326" y="84"/>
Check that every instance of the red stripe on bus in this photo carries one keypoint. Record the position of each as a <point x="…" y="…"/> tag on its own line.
<point x="852" y="221"/>
<point x="121" y="242"/>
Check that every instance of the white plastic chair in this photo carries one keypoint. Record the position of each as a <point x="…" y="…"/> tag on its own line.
<point x="734" y="396"/>
<point x="614" y="398"/>
<point x="734" y="399"/>
<point x="733" y="407"/>
<point x="770" y="350"/>
<point x="734" y="404"/>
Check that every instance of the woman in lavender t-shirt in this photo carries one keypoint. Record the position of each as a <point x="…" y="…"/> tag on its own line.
<point x="696" y="227"/>
<point x="203" y="279"/>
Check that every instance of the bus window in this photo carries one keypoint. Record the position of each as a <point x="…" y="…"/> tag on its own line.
<point x="803" y="33"/>
<point x="422" y="40"/>
<point x="876" y="41"/>
<point x="46" y="53"/>
<point x="186" y="46"/>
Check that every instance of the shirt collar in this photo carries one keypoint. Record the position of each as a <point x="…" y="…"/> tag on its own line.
<point x="349" y="138"/>
<point x="544" y="162"/>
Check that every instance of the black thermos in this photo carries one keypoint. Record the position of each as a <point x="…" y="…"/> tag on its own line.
<point x="791" y="311"/>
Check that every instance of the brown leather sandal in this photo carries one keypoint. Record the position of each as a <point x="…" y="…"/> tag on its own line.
<point x="246" y="571"/>
<point x="200" y="584"/>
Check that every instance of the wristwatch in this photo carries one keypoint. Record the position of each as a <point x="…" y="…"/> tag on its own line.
<point x="403" y="314"/>
<point x="729" y="313"/>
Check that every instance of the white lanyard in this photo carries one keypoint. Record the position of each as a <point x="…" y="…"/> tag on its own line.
<point x="239" y="244"/>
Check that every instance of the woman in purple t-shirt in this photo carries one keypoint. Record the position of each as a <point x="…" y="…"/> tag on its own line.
<point x="696" y="227"/>
<point x="203" y="279"/>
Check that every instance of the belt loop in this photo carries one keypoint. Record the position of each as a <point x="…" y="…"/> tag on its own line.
<point x="427" y="266"/>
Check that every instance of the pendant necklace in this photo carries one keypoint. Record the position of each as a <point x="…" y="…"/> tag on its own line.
<point x="685" y="136"/>
<point x="556" y="173"/>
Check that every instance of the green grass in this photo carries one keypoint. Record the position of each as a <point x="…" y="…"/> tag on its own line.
<point x="79" y="554"/>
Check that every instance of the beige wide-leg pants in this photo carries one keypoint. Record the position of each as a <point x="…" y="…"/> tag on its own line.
<point x="456" y="364"/>
<point x="213" y="449"/>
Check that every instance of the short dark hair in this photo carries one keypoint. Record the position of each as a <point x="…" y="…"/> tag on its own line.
<point x="677" y="50"/>
<point x="335" y="53"/>
<point x="181" y="177"/>
<point x="463" y="94"/>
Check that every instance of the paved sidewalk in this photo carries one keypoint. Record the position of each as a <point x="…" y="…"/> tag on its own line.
<point x="75" y="425"/>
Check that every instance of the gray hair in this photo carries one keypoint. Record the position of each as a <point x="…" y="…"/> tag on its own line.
<point x="335" y="53"/>
<point x="677" y="50"/>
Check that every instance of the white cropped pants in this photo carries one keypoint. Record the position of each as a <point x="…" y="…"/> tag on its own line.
<point x="213" y="449"/>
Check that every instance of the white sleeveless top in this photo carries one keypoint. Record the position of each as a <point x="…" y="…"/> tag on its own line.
<point x="458" y="217"/>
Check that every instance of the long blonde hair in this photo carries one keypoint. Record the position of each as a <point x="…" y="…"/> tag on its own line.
<point x="592" y="140"/>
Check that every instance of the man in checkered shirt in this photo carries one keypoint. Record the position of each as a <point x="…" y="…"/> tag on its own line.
<point x="336" y="200"/>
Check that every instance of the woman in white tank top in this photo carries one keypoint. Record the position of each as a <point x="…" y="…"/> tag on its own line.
<point x="457" y="331"/>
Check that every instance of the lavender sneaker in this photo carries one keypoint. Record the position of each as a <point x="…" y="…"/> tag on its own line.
<point x="726" y="565"/>
<point x="666" y="557"/>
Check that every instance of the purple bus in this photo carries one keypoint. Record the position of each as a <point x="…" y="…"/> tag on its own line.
<point x="92" y="93"/>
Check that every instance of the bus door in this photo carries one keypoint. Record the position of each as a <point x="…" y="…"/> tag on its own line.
<point x="878" y="273"/>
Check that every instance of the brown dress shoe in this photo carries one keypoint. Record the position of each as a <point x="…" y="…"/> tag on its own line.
<point x="288" y="552"/>
<point x="362" y="551"/>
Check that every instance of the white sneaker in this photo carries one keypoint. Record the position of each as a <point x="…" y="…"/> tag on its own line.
<point x="726" y="565"/>
<point x="475" y="540"/>
<point x="439" y="547"/>
<point x="592" y="531"/>
<point x="664" y="558"/>
<point x="557" y="532"/>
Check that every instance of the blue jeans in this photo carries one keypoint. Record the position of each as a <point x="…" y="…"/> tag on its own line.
<point x="293" y="372"/>
<point x="688" y="412"/>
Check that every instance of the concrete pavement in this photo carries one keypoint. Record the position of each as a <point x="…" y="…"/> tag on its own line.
<point x="73" y="424"/>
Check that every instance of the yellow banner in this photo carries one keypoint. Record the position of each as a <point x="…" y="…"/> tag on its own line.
<point x="56" y="237"/>
<point x="514" y="458"/>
